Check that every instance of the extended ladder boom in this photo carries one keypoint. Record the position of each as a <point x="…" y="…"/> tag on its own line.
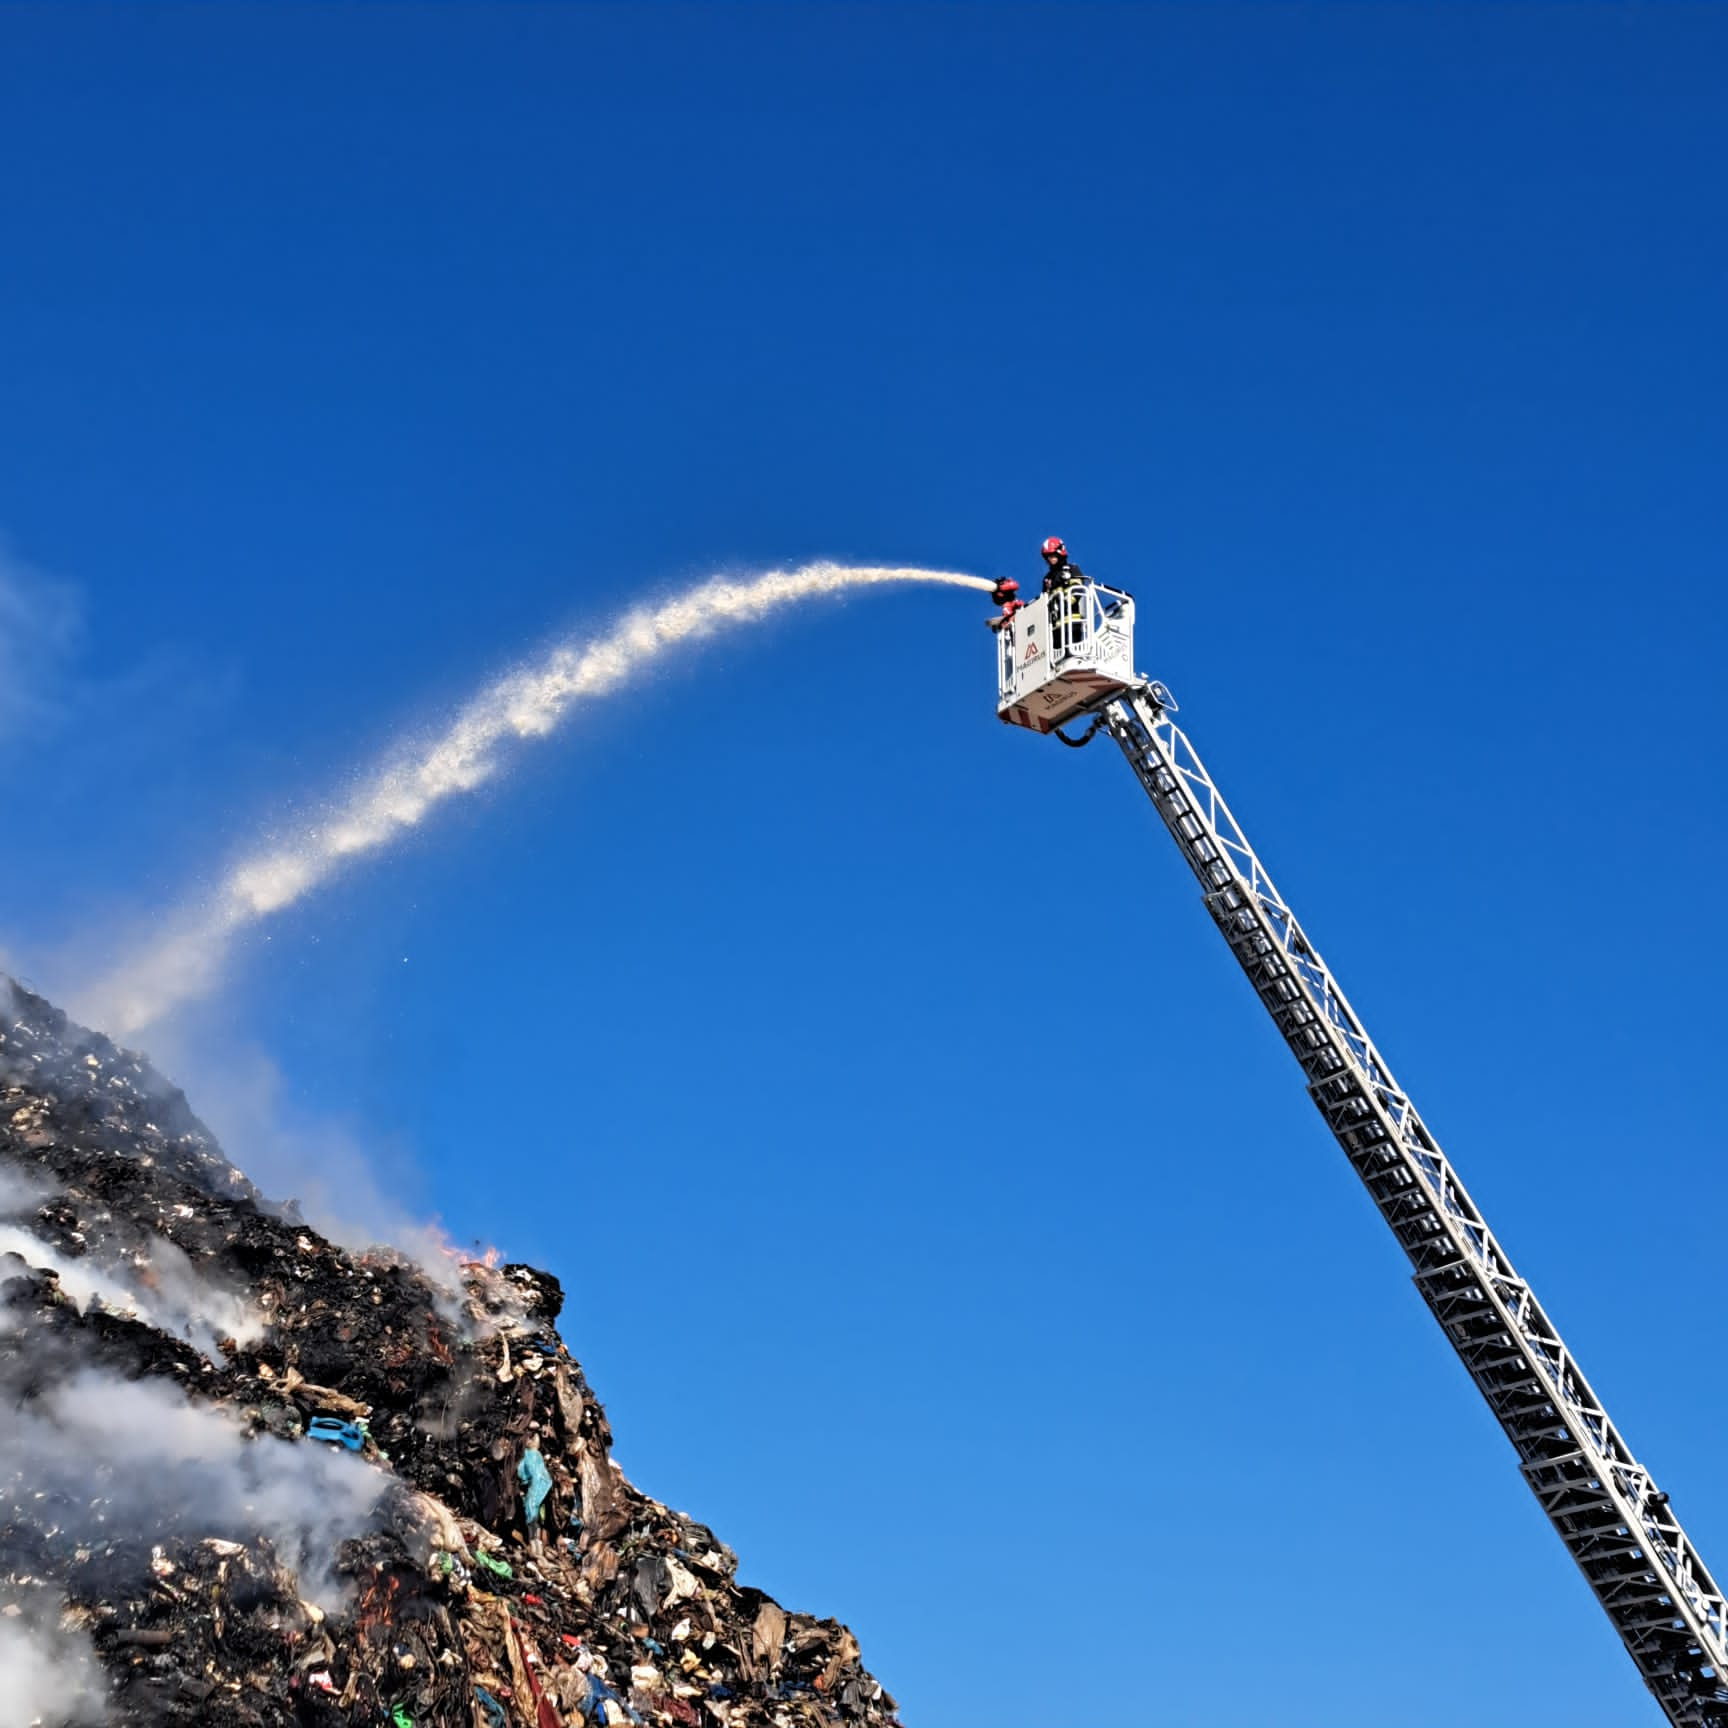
<point x="1628" y="1544"/>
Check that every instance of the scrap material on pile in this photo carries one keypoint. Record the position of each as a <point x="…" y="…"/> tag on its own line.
<point x="140" y="1272"/>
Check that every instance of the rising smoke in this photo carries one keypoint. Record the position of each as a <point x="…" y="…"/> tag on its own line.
<point x="130" y="1460"/>
<point x="48" y="1671"/>
<point x="40" y="624"/>
<point x="186" y="961"/>
<point x="155" y="1283"/>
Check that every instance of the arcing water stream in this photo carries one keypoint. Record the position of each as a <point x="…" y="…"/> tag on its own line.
<point x="186" y="960"/>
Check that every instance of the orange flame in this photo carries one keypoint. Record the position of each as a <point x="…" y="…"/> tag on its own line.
<point x="376" y="1604"/>
<point x="490" y="1258"/>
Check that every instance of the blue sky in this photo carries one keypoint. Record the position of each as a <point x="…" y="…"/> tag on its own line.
<point x="940" y="1219"/>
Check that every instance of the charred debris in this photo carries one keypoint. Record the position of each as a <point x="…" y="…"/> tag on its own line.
<point x="249" y="1479"/>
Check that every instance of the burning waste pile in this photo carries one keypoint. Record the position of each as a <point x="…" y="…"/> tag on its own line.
<point x="247" y="1478"/>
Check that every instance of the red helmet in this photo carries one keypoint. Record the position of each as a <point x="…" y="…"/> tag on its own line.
<point x="1053" y="548"/>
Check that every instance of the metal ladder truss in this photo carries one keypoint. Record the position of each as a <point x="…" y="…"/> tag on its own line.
<point x="1643" y="1569"/>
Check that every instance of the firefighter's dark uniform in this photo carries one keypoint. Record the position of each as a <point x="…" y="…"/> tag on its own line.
<point x="1066" y="582"/>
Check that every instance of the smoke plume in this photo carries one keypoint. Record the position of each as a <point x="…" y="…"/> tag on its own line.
<point x="40" y="624"/>
<point x="186" y="961"/>
<point x="48" y="1672"/>
<point x="155" y="1283"/>
<point x="128" y="1460"/>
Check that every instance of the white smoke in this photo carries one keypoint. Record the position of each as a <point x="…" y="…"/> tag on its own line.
<point x="82" y="1285"/>
<point x="48" y="1673"/>
<point x="181" y="1299"/>
<point x="186" y="961"/>
<point x="354" y="1188"/>
<point x="20" y="1192"/>
<point x="41" y="621"/>
<point x="158" y="1285"/>
<point x="135" y="1458"/>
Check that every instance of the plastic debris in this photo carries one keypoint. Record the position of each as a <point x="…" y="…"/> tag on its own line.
<point x="335" y="1433"/>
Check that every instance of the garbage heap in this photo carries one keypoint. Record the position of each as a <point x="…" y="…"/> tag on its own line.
<point x="248" y="1478"/>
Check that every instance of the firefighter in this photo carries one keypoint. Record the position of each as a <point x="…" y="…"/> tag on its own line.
<point x="1066" y="582"/>
<point x="1006" y="595"/>
<point x="1058" y="572"/>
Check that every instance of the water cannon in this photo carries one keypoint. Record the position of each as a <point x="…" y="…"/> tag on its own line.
<point x="1005" y="591"/>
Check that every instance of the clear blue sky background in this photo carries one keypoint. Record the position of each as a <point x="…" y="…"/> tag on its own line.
<point x="940" y="1218"/>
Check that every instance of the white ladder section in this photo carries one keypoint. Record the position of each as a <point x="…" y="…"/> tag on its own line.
<point x="1644" y="1571"/>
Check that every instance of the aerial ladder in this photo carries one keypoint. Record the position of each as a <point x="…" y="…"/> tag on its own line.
<point x="1065" y="659"/>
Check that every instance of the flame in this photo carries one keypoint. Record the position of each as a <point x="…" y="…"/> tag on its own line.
<point x="377" y="1604"/>
<point x="491" y="1258"/>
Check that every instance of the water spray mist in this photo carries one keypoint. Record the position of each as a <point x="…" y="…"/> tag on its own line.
<point x="186" y="961"/>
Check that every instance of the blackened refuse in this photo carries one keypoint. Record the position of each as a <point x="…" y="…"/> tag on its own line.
<point x="462" y="1553"/>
